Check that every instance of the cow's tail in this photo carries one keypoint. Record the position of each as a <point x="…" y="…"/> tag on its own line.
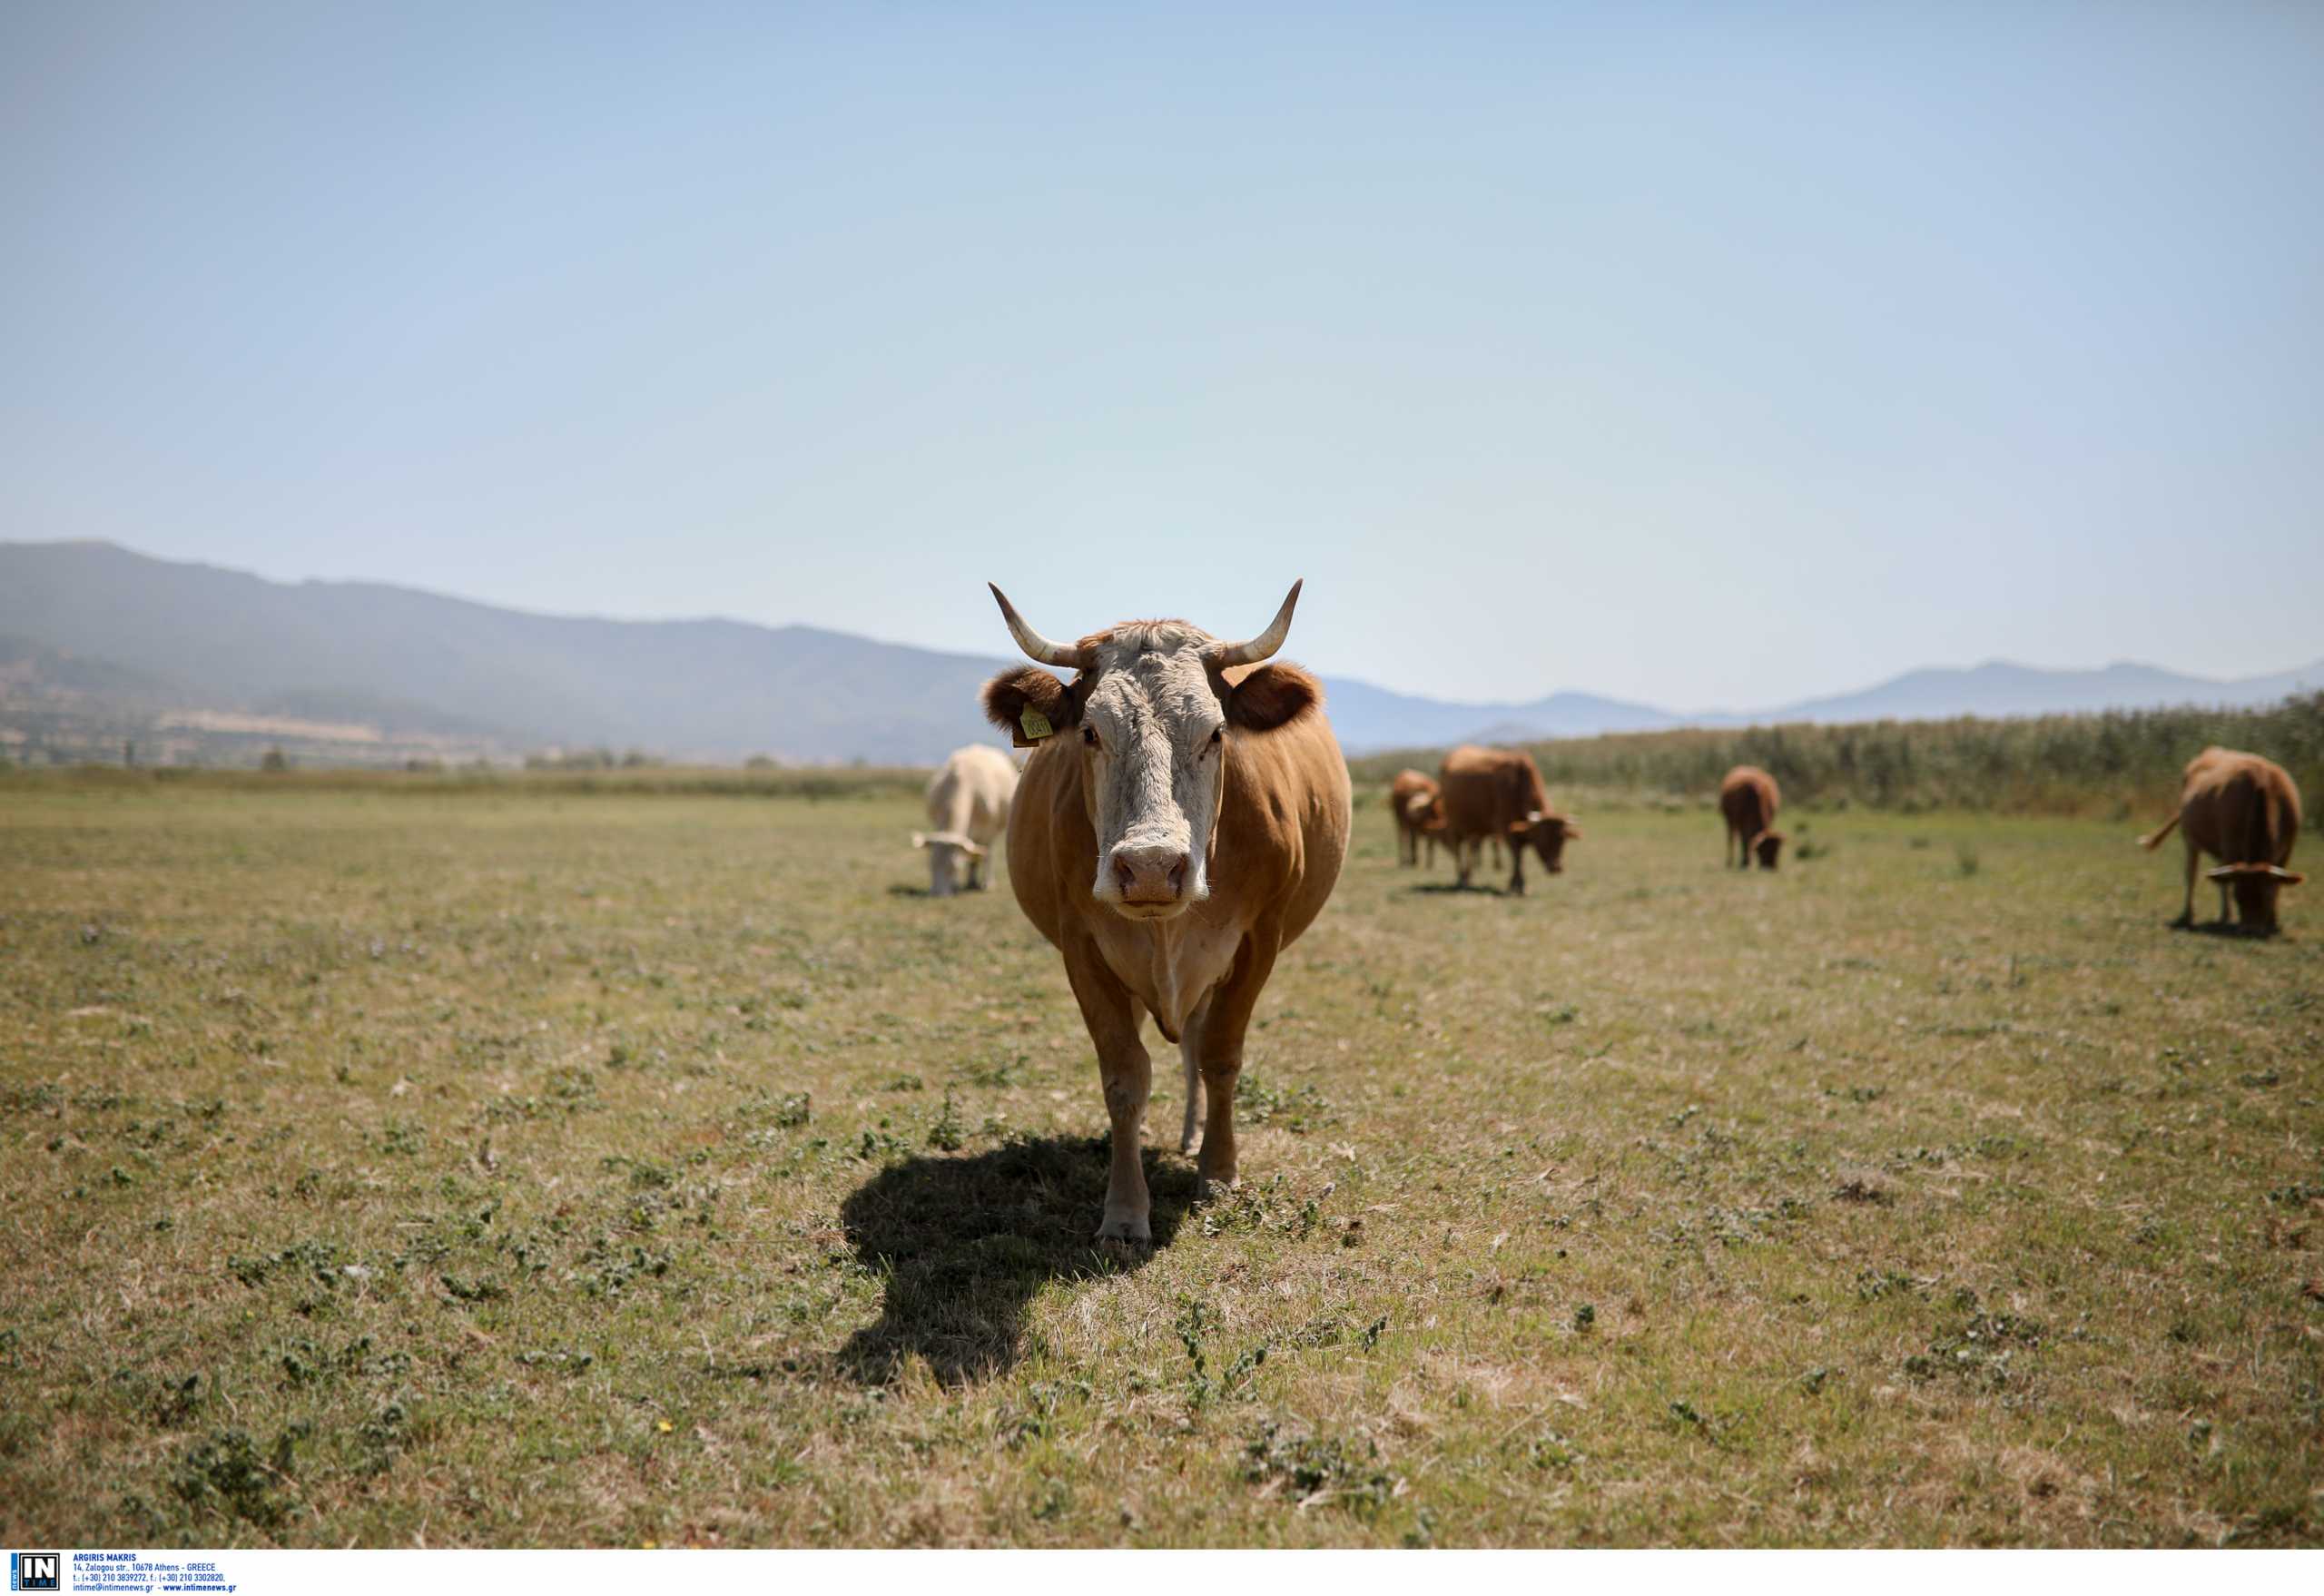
<point x="2153" y="839"/>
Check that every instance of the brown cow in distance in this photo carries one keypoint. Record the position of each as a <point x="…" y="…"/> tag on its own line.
<point x="2244" y="811"/>
<point x="1747" y="798"/>
<point x="1182" y="820"/>
<point x="1497" y="792"/>
<point x="1419" y="812"/>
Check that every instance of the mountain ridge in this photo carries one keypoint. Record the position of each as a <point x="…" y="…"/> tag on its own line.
<point x="200" y="635"/>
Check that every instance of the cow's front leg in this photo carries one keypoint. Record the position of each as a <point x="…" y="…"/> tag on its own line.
<point x="1127" y="1074"/>
<point x="1516" y="868"/>
<point x="1128" y="1079"/>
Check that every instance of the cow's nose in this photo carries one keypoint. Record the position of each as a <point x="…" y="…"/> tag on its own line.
<point x="1150" y="876"/>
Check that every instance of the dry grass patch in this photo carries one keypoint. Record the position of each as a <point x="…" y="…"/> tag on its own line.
<point x="543" y="1167"/>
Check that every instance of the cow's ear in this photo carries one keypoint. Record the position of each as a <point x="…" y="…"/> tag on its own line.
<point x="1009" y="695"/>
<point x="1273" y="695"/>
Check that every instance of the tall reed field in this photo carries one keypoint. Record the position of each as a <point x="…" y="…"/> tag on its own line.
<point x="2115" y="765"/>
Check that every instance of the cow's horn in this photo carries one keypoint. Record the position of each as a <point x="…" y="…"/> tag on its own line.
<point x="2253" y="867"/>
<point x="1064" y="656"/>
<point x="1264" y="645"/>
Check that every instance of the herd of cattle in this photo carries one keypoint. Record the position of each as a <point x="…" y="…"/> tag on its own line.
<point x="1186" y="812"/>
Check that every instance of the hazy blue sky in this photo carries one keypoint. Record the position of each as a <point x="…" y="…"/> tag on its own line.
<point x="1700" y="355"/>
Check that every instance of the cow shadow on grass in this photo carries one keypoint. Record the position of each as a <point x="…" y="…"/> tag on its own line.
<point x="1449" y="889"/>
<point x="2233" y="930"/>
<point x="965" y="1244"/>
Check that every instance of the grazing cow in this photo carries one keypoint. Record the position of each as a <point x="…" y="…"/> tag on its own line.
<point x="2244" y="811"/>
<point x="1495" y="792"/>
<point x="968" y="804"/>
<point x="1747" y="798"/>
<point x="1413" y="800"/>
<point x="1182" y="820"/>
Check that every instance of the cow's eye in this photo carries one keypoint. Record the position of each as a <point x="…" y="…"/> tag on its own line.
<point x="1089" y="736"/>
<point x="1217" y="736"/>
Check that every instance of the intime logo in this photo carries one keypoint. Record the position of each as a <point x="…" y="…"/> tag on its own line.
<point x="34" y="1571"/>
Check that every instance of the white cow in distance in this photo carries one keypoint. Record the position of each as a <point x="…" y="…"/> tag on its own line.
<point x="967" y="807"/>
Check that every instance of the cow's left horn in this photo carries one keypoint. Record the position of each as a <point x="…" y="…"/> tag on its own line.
<point x="1064" y="656"/>
<point x="1264" y="645"/>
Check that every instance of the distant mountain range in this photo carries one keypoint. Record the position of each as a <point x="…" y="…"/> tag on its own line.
<point x="97" y="637"/>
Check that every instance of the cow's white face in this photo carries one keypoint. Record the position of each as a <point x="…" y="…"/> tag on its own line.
<point x="1154" y="722"/>
<point x="1152" y="738"/>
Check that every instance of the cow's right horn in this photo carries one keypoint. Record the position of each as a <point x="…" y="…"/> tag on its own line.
<point x="1064" y="656"/>
<point x="1264" y="645"/>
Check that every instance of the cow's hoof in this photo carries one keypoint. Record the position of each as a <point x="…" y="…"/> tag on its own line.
<point x="1126" y="1231"/>
<point x="1188" y="1143"/>
<point x="1210" y="1187"/>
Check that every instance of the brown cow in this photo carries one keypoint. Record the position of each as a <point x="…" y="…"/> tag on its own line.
<point x="1419" y="813"/>
<point x="1182" y="820"/>
<point x="1747" y="798"/>
<point x="1497" y="792"/>
<point x="2244" y="811"/>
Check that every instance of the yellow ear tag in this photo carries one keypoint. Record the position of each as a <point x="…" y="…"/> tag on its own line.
<point x="1037" y="724"/>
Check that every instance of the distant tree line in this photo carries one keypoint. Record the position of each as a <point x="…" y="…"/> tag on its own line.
<point x="2106" y="763"/>
<point x="592" y="759"/>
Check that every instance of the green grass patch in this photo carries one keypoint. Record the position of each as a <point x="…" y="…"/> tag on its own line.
<point x="538" y="1166"/>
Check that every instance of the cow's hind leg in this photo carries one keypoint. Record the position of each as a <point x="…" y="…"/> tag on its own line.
<point x="1227" y="1015"/>
<point x="1127" y="1073"/>
<point x="2187" y="910"/>
<point x="1190" y="1052"/>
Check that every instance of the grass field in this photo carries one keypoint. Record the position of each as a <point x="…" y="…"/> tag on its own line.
<point x="522" y="1166"/>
